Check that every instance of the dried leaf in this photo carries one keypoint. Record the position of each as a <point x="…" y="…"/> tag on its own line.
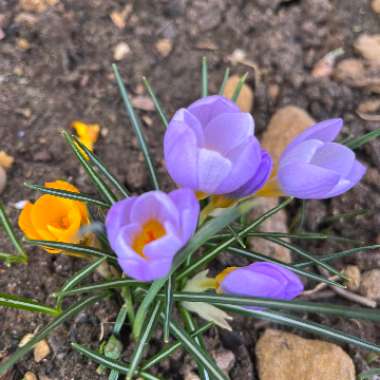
<point x="6" y="161"/>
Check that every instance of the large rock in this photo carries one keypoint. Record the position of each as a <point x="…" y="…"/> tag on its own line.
<point x="283" y="127"/>
<point x="370" y="284"/>
<point x="369" y="47"/>
<point x="276" y="223"/>
<point x="284" y="356"/>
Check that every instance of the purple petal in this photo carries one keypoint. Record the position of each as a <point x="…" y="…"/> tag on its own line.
<point x="257" y="181"/>
<point x="334" y="157"/>
<point x="118" y="216"/>
<point x="181" y="154"/>
<point x="303" y="152"/>
<point x="154" y="205"/>
<point x="227" y="131"/>
<point x="306" y="181"/>
<point x="205" y="109"/>
<point x="213" y="168"/>
<point x="165" y="247"/>
<point x="245" y="161"/>
<point x="357" y="172"/>
<point x="188" y="208"/>
<point x="325" y="131"/>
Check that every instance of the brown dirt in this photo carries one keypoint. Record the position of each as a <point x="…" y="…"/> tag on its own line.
<point x="65" y="74"/>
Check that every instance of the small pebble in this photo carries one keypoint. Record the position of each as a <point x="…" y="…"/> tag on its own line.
<point x="164" y="46"/>
<point x="30" y="376"/>
<point x="353" y="274"/>
<point x="3" y="179"/>
<point x="376" y="6"/>
<point x="25" y="339"/>
<point x="120" y="51"/>
<point x="41" y="351"/>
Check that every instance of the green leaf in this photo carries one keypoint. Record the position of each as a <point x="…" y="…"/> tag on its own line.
<point x="69" y="195"/>
<point x="9" y="259"/>
<point x="23" y="303"/>
<point x="103" y="169"/>
<point x="200" y="262"/>
<point x="199" y="354"/>
<point x="143" y="340"/>
<point x="238" y="88"/>
<point x="258" y="256"/>
<point x="159" y="109"/>
<point x="78" y="277"/>
<point x="168" y="307"/>
<point x="72" y="248"/>
<point x="71" y="312"/>
<point x="368" y="375"/>
<point x="136" y="125"/>
<point x="339" y="255"/>
<point x="94" y="176"/>
<point x="357" y="142"/>
<point x="302" y="253"/>
<point x="225" y="79"/>
<point x="204" y="77"/>
<point x="304" y="325"/>
<point x="294" y="305"/>
<point x="110" y="363"/>
<point x="208" y="230"/>
<point x="4" y="220"/>
<point x="191" y="327"/>
<point x="169" y="350"/>
<point x="101" y="286"/>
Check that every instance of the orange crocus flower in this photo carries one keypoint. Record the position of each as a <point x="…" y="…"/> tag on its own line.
<point x="54" y="218"/>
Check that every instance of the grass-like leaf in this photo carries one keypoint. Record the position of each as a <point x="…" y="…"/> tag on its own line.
<point x="204" y="77"/>
<point x="198" y="353"/>
<point x="71" y="312"/>
<point x="294" y="305"/>
<point x="156" y="102"/>
<point x="191" y="327"/>
<point x="311" y="327"/>
<point x="78" y="277"/>
<point x="136" y="125"/>
<point x="338" y="255"/>
<point x="239" y="86"/>
<point x="168" y="307"/>
<point x="82" y="250"/>
<point x="23" y="303"/>
<point x="208" y="230"/>
<point x="4" y="220"/>
<point x="98" y="182"/>
<point x="369" y="375"/>
<point x="357" y="142"/>
<point x="225" y="79"/>
<point x="169" y="350"/>
<point x="10" y="259"/>
<point x="110" y="363"/>
<point x="143" y="340"/>
<point x="103" y="169"/>
<point x="304" y="254"/>
<point x="69" y="195"/>
<point x="101" y="286"/>
<point x="200" y="262"/>
<point x="258" y="256"/>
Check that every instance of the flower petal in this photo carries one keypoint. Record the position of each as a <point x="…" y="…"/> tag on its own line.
<point x="25" y="222"/>
<point x="306" y="181"/>
<point x="118" y="216"/>
<point x="205" y="109"/>
<point x="303" y="152"/>
<point x="228" y="130"/>
<point x="164" y="247"/>
<point x="188" y="207"/>
<point x="181" y="154"/>
<point x="213" y="168"/>
<point x="325" y="131"/>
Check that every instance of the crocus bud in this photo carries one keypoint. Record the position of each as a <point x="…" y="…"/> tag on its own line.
<point x="260" y="279"/>
<point x="147" y="231"/>
<point x="314" y="167"/>
<point x="210" y="147"/>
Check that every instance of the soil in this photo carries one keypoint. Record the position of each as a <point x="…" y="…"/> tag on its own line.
<point x="64" y="73"/>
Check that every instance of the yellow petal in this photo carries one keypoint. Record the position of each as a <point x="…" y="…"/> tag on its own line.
<point x="87" y="133"/>
<point x="25" y="222"/>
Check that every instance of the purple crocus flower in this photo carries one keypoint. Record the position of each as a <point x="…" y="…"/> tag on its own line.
<point x="210" y="147"/>
<point x="260" y="279"/>
<point x="147" y="231"/>
<point x="314" y="167"/>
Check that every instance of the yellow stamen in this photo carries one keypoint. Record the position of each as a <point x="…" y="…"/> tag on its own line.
<point x="221" y="276"/>
<point x="270" y="189"/>
<point x="151" y="230"/>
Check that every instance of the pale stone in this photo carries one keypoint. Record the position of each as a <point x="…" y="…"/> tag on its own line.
<point x="30" y="376"/>
<point x="369" y="47"/>
<point x="246" y="97"/>
<point x="225" y="360"/>
<point x="41" y="351"/>
<point x="121" y="50"/>
<point x="353" y="275"/>
<point x="3" y="179"/>
<point x="285" y="356"/>
<point x="164" y="46"/>
<point x="370" y="284"/>
<point x="376" y="6"/>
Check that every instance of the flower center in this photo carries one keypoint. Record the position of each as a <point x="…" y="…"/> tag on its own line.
<point x="221" y="276"/>
<point x="62" y="223"/>
<point x="151" y="230"/>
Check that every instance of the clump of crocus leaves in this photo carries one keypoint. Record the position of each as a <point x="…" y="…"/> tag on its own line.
<point x="161" y="244"/>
